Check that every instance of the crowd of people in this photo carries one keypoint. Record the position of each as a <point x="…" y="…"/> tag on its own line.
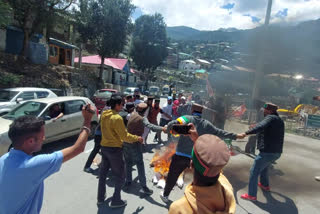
<point x="121" y="139"/>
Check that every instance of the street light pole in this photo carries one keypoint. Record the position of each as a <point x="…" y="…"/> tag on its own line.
<point x="260" y="63"/>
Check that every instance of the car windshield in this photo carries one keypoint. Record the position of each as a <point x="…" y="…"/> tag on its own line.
<point x="154" y="89"/>
<point x="27" y="108"/>
<point x="6" y="95"/>
<point x="129" y="90"/>
<point x="103" y="94"/>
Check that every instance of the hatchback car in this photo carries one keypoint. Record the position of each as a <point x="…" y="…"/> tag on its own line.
<point x="11" y="97"/>
<point x="68" y="125"/>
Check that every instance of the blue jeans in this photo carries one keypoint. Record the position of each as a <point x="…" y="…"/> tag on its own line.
<point x="133" y="156"/>
<point x="260" y="167"/>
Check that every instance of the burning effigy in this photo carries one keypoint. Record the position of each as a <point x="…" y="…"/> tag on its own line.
<point x="161" y="163"/>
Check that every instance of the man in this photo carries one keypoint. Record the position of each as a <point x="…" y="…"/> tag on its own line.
<point x="21" y="174"/>
<point x="137" y="99"/>
<point x="133" y="152"/>
<point x="113" y="135"/>
<point x="129" y="98"/>
<point x="127" y="110"/>
<point x="146" y="114"/>
<point x="164" y="120"/>
<point x="210" y="191"/>
<point x="270" y="143"/>
<point x="184" y="108"/>
<point x="181" y="159"/>
<point x="153" y="115"/>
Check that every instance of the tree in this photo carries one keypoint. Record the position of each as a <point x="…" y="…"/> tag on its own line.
<point x="105" y="24"/>
<point x="149" y="44"/>
<point x="5" y="13"/>
<point x="33" y="15"/>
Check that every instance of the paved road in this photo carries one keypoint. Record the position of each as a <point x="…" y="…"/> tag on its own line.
<point x="294" y="189"/>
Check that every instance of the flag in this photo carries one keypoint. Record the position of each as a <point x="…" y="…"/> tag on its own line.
<point x="209" y="89"/>
<point x="239" y="111"/>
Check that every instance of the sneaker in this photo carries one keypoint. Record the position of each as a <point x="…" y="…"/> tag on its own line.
<point x="88" y="170"/>
<point x="265" y="188"/>
<point x="165" y="199"/>
<point x="147" y="191"/>
<point x="248" y="197"/>
<point x="118" y="204"/>
<point x="317" y="178"/>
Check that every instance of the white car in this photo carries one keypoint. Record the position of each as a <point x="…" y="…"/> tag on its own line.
<point x="66" y="126"/>
<point x="11" y="97"/>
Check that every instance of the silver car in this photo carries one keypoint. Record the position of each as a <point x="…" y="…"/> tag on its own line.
<point x="11" y="97"/>
<point x="68" y="125"/>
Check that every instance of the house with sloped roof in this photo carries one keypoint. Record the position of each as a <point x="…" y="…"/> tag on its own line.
<point x="117" y="72"/>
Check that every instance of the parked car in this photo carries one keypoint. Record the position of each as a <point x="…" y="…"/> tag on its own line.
<point x="154" y="91"/>
<point x="130" y="90"/>
<point x="101" y="96"/>
<point x="66" y="126"/>
<point x="59" y="92"/>
<point x="11" y="97"/>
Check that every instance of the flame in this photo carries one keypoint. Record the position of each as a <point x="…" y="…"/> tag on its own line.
<point x="162" y="159"/>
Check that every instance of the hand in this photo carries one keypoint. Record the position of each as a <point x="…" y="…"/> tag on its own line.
<point x="193" y="132"/>
<point x="88" y="112"/>
<point x="54" y="119"/>
<point x="241" y="136"/>
<point x="140" y="139"/>
<point x="165" y="129"/>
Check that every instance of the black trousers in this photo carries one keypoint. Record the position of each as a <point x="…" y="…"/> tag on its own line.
<point x="112" y="157"/>
<point x="177" y="166"/>
<point x="94" y="152"/>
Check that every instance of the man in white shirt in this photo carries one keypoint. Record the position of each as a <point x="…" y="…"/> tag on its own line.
<point x="164" y="120"/>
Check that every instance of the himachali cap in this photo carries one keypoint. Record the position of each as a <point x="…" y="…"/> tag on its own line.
<point x="271" y="107"/>
<point x="142" y="106"/>
<point x="197" y="107"/>
<point x="209" y="155"/>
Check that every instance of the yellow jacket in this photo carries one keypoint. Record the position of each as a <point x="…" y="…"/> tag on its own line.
<point x="216" y="199"/>
<point x="113" y="130"/>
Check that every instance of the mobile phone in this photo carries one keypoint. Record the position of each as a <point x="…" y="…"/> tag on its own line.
<point x="181" y="129"/>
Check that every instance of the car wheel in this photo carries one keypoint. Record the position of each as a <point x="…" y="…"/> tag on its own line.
<point x="93" y="130"/>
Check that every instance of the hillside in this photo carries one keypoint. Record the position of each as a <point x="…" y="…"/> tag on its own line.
<point x="309" y="28"/>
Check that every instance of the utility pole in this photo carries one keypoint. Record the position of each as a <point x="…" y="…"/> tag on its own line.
<point x="260" y="64"/>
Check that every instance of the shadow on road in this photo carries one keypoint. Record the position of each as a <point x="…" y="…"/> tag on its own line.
<point x="283" y="205"/>
<point x="105" y="208"/>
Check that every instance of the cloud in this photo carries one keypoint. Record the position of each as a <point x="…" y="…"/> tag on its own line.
<point x="242" y="14"/>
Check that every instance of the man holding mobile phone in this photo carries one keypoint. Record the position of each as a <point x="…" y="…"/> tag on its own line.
<point x="181" y="159"/>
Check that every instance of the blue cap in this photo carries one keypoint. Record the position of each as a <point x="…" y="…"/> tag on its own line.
<point x="169" y="98"/>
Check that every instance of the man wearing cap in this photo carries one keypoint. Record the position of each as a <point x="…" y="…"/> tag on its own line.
<point x="114" y="133"/>
<point x="133" y="152"/>
<point x="210" y="191"/>
<point x="181" y="159"/>
<point x="184" y="108"/>
<point x="167" y="117"/>
<point x="270" y="134"/>
<point x="127" y="109"/>
<point x="146" y="114"/>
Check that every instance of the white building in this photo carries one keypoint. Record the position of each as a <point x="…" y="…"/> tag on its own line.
<point x="188" y="66"/>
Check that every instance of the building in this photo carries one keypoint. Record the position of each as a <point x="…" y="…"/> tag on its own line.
<point x="61" y="52"/>
<point x="204" y="64"/>
<point x="117" y="73"/>
<point x="189" y="66"/>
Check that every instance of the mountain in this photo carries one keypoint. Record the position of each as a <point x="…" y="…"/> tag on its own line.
<point x="182" y="32"/>
<point x="308" y="28"/>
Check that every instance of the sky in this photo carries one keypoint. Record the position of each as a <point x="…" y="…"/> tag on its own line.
<point x="215" y="14"/>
